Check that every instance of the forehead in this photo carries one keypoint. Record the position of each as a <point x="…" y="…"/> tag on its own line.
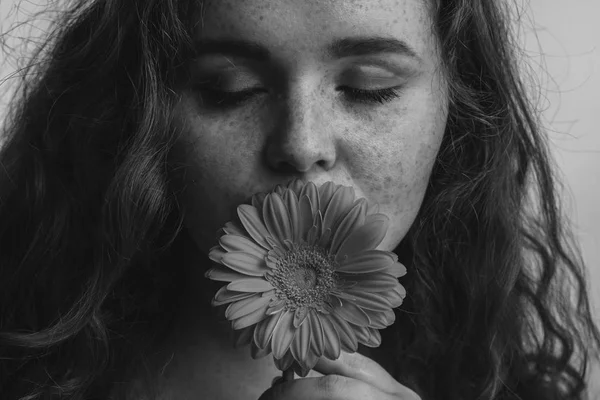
<point x="305" y="25"/>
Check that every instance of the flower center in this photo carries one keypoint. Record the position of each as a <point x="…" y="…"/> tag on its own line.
<point x="304" y="278"/>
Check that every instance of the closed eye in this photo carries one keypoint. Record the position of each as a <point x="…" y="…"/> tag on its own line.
<point x="372" y="96"/>
<point x="229" y="99"/>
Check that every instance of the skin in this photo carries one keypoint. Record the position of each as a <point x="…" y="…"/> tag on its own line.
<point x="300" y="125"/>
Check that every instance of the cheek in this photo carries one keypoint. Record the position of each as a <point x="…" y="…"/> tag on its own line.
<point x="215" y="150"/>
<point x="395" y="173"/>
<point x="208" y="173"/>
<point x="393" y="163"/>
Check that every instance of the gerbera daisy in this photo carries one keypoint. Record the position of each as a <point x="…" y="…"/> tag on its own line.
<point x="305" y="280"/>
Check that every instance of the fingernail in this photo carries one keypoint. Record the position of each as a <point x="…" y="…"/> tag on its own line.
<point x="276" y="380"/>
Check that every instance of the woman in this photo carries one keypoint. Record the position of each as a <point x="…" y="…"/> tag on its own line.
<point x="141" y="125"/>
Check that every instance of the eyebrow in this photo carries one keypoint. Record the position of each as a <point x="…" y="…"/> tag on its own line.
<point x="338" y="49"/>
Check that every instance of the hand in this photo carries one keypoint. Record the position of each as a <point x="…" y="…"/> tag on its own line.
<point x="350" y="377"/>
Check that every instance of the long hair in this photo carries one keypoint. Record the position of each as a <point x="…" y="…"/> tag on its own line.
<point x="497" y="302"/>
<point x="497" y="305"/>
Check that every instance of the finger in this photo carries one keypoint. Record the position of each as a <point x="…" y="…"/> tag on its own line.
<point x="330" y="387"/>
<point x="357" y="366"/>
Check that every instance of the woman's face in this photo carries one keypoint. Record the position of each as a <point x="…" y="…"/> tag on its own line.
<point x="309" y="71"/>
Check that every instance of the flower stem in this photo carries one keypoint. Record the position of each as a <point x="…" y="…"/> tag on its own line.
<point x="288" y="375"/>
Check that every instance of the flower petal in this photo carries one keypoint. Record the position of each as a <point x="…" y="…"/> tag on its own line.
<point x="331" y="338"/>
<point x="241" y="243"/>
<point x="250" y="218"/>
<point x="326" y="192"/>
<point x="276" y="306"/>
<point x="362" y="333"/>
<point x="273" y="242"/>
<point x="246" y="306"/>
<point x="300" y="316"/>
<point x="364" y="299"/>
<point x="311" y="191"/>
<point x="338" y="206"/>
<point x="296" y="185"/>
<point x="245" y="263"/>
<point x="367" y="261"/>
<point x="242" y="337"/>
<point x="334" y="301"/>
<point x="323" y="242"/>
<point x="378" y="320"/>
<point x="310" y="360"/>
<point x="306" y="216"/>
<point x="379" y="282"/>
<point x="291" y="203"/>
<point x="283" y="334"/>
<point x="224" y="296"/>
<point x="279" y="189"/>
<point x="258" y="199"/>
<point x="390" y="316"/>
<point x="264" y="331"/>
<point x="393" y="296"/>
<point x="299" y="370"/>
<point x="289" y="245"/>
<point x="373" y="209"/>
<point x="377" y="217"/>
<point x="397" y="269"/>
<point x="250" y="319"/>
<point x="347" y="337"/>
<point x="374" y="339"/>
<point x="401" y="290"/>
<point x="233" y="228"/>
<point x="301" y="343"/>
<point x="318" y="342"/>
<point x="351" y="313"/>
<point x="257" y="353"/>
<point x="354" y="218"/>
<point x="316" y="231"/>
<point x="223" y="274"/>
<point x="254" y="285"/>
<point x="284" y="362"/>
<point x="318" y="222"/>
<point x="276" y="217"/>
<point x="312" y="236"/>
<point x="381" y="320"/>
<point x="273" y="257"/>
<point x="366" y="237"/>
<point x="216" y="253"/>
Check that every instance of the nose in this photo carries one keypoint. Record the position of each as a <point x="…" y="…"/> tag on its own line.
<point x="302" y="138"/>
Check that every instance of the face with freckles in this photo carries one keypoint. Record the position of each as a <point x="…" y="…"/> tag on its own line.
<point x="348" y="91"/>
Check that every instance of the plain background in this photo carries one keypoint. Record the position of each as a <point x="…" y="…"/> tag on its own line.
<point x="562" y="41"/>
<point x="563" y="46"/>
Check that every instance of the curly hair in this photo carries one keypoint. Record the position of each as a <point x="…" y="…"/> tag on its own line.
<point x="498" y="306"/>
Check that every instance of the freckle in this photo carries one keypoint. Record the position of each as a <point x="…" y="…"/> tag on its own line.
<point x="377" y="186"/>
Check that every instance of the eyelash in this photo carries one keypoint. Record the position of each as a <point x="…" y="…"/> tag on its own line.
<point x="224" y="99"/>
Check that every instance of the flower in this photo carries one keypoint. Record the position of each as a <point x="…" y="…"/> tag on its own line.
<point x="305" y="279"/>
